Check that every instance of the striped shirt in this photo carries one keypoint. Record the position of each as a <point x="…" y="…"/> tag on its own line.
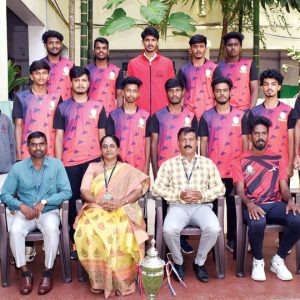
<point x="171" y="179"/>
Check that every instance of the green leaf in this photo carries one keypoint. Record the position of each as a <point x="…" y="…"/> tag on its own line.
<point x="117" y="22"/>
<point x="182" y="22"/>
<point x="154" y="12"/>
<point x="180" y="33"/>
<point x="110" y="3"/>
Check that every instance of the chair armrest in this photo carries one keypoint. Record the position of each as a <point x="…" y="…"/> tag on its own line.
<point x="78" y="205"/>
<point x="238" y="209"/>
<point x="220" y="211"/>
<point x="3" y="223"/>
<point x="297" y="199"/>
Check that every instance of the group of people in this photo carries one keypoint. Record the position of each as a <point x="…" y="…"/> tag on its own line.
<point x="89" y="133"/>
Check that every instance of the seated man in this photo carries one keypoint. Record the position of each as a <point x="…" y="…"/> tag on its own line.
<point x="41" y="184"/>
<point x="190" y="183"/>
<point x="261" y="182"/>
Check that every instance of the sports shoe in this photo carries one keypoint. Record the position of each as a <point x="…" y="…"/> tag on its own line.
<point x="30" y="253"/>
<point x="258" y="270"/>
<point x="278" y="266"/>
<point x="230" y="246"/>
<point x="186" y="247"/>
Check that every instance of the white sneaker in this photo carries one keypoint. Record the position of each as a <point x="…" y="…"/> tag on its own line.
<point x="278" y="266"/>
<point x="30" y="253"/>
<point x="258" y="270"/>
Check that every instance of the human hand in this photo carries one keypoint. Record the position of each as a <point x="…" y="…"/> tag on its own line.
<point x="28" y="212"/>
<point x="112" y="204"/>
<point x="292" y="206"/>
<point x="255" y="212"/>
<point x="289" y="171"/>
<point x="297" y="162"/>
<point x="191" y="196"/>
<point x="38" y="208"/>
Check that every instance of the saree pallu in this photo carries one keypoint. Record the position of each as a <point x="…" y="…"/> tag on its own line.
<point x="111" y="244"/>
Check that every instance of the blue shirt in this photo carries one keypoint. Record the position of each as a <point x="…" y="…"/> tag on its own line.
<point x="23" y="181"/>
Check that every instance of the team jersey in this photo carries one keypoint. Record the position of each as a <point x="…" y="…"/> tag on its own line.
<point x="167" y="125"/>
<point x="241" y="73"/>
<point x="261" y="174"/>
<point x="154" y="75"/>
<point x="59" y="80"/>
<point x="224" y="132"/>
<point x="103" y="85"/>
<point x="132" y="131"/>
<point x="282" y="118"/>
<point x="81" y="123"/>
<point x="37" y="113"/>
<point x="197" y="79"/>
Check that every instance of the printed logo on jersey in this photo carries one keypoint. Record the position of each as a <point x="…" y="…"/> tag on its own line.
<point x="249" y="170"/>
<point x="282" y="116"/>
<point x="235" y="121"/>
<point x="208" y="73"/>
<point x="187" y="122"/>
<point x="243" y="69"/>
<point x="52" y="105"/>
<point x="66" y="71"/>
<point x="141" y="123"/>
<point x="112" y="75"/>
<point x="93" y="113"/>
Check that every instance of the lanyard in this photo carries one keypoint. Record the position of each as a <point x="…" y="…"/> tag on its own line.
<point x="188" y="177"/>
<point x="36" y="184"/>
<point x="107" y="181"/>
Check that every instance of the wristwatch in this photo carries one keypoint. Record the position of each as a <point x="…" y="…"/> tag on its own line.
<point x="44" y="202"/>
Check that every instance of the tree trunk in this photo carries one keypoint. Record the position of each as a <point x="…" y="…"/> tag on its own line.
<point x="72" y="30"/>
<point x="256" y="4"/>
<point x="90" y="32"/>
<point x="221" y="48"/>
<point x="83" y="33"/>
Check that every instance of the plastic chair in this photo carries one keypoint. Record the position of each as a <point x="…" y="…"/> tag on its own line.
<point x="219" y="248"/>
<point x="64" y="244"/>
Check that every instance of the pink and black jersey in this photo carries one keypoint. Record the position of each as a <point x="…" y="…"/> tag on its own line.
<point x="167" y="125"/>
<point x="197" y="79"/>
<point x="261" y="174"/>
<point x="132" y="131"/>
<point x="224" y="132"/>
<point x="81" y="123"/>
<point x="59" y="80"/>
<point x="37" y="113"/>
<point x="282" y="118"/>
<point x="103" y="85"/>
<point x="241" y="73"/>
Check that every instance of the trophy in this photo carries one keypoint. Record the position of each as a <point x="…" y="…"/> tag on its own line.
<point x="152" y="272"/>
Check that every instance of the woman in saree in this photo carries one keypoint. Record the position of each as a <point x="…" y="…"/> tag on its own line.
<point x="110" y="230"/>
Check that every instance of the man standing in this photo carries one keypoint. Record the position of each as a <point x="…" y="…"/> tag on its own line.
<point x="189" y="183"/>
<point x="197" y="76"/>
<point x="166" y="122"/>
<point x="7" y="147"/>
<point x="242" y="72"/>
<point x="281" y="132"/>
<point x="80" y="124"/>
<point x="59" y="75"/>
<point x="131" y="125"/>
<point x="154" y="70"/>
<point x="106" y="78"/>
<point x="261" y="182"/>
<point x="223" y="132"/>
<point x="34" y="109"/>
<point x="41" y="184"/>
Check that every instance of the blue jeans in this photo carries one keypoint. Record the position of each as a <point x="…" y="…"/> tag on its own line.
<point x="275" y="214"/>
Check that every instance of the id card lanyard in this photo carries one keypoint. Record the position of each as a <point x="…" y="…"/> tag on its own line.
<point x="37" y="184"/>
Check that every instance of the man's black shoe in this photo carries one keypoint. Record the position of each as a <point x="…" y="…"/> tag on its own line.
<point x="180" y="271"/>
<point x="185" y="246"/>
<point x="201" y="273"/>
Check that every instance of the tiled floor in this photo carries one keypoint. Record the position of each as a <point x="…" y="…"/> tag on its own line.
<point x="229" y="288"/>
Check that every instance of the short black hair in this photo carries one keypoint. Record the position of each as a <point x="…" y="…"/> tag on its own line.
<point x="36" y="135"/>
<point x="172" y="83"/>
<point x="52" y="33"/>
<point x="77" y="72"/>
<point x="233" y="35"/>
<point x="271" y="73"/>
<point x="101" y="40"/>
<point x="131" y="80"/>
<point x="185" y="130"/>
<point x="198" y="39"/>
<point x="221" y="79"/>
<point x="150" y="31"/>
<point x="38" y="65"/>
<point x="258" y="120"/>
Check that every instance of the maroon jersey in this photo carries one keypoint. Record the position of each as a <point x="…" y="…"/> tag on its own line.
<point x="261" y="174"/>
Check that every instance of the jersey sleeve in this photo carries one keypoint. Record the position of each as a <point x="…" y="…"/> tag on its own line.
<point x="148" y="127"/>
<point x="195" y="123"/>
<point x="110" y="128"/>
<point x="282" y="170"/>
<point x="203" y="127"/>
<point x="17" y="111"/>
<point x="297" y="107"/>
<point x="217" y="72"/>
<point x="181" y="77"/>
<point x="245" y="127"/>
<point x="154" y="127"/>
<point x="59" y="121"/>
<point x="119" y="80"/>
<point x="292" y="119"/>
<point x="253" y="71"/>
<point x="237" y="171"/>
<point x="102" y="121"/>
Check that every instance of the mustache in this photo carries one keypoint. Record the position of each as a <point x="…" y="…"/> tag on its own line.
<point x="260" y="141"/>
<point x="187" y="146"/>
